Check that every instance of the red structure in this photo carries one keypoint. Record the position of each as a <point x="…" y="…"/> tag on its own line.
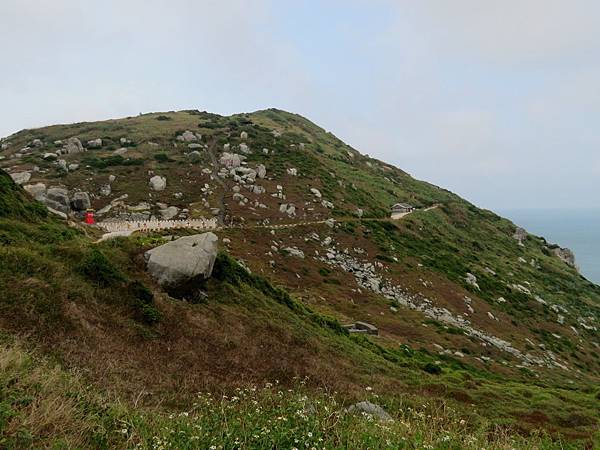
<point x="89" y="217"/>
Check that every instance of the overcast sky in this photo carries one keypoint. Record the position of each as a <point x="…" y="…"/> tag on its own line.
<point x="497" y="100"/>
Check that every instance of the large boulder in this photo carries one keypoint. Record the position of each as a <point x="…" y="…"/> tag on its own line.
<point x="58" y="199"/>
<point x="81" y="201"/>
<point x="178" y="262"/>
<point x="72" y="145"/>
<point x="158" y="183"/>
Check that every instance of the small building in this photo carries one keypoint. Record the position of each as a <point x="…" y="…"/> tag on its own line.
<point x="399" y="210"/>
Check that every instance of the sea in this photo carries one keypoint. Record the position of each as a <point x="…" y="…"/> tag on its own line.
<point x="578" y="230"/>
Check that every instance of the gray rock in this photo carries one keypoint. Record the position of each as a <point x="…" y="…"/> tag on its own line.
<point x="80" y="201"/>
<point x="169" y="213"/>
<point x="182" y="260"/>
<point x="292" y="171"/>
<point x="316" y="192"/>
<point x="111" y="178"/>
<point x="195" y="156"/>
<point x="371" y="409"/>
<point x="37" y="190"/>
<point x="359" y="212"/>
<point x="194" y="146"/>
<point x="566" y="255"/>
<point x="187" y="136"/>
<point x="158" y="183"/>
<point x="230" y="160"/>
<point x="293" y="251"/>
<point x="261" y="171"/>
<point x="471" y="280"/>
<point x="243" y="135"/>
<point x="62" y="165"/>
<point x="58" y="199"/>
<point x="21" y="177"/>
<point x="120" y="151"/>
<point x="520" y="235"/>
<point x="73" y="166"/>
<point x="94" y="143"/>
<point x="49" y="156"/>
<point x="37" y="143"/>
<point x="244" y="148"/>
<point x="105" y="190"/>
<point x="72" y="145"/>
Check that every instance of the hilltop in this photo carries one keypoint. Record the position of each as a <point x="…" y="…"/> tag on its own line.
<point x="469" y="310"/>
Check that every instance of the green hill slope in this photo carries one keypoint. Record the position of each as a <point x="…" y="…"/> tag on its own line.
<point x="501" y="329"/>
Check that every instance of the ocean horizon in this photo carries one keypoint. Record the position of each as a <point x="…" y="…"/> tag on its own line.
<point x="577" y="229"/>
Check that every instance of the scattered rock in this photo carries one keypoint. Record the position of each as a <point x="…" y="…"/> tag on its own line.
<point x="520" y="235"/>
<point x="111" y="178"/>
<point x="187" y="136"/>
<point x="566" y="255"/>
<point x="20" y="177"/>
<point x="105" y="190"/>
<point x="316" y="192"/>
<point x="243" y="135"/>
<point x="94" y="143"/>
<point x="80" y="201"/>
<point x="73" y="166"/>
<point x="158" y="183"/>
<point x="120" y="151"/>
<point x="37" y="190"/>
<point x="49" y="156"/>
<point x="261" y="171"/>
<point x="292" y="171"/>
<point x="370" y="409"/>
<point x="472" y="280"/>
<point x="293" y="251"/>
<point x="230" y="160"/>
<point x="37" y="143"/>
<point x="169" y="213"/>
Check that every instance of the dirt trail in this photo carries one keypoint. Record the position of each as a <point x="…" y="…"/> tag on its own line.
<point x="215" y="174"/>
<point x="270" y="226"/>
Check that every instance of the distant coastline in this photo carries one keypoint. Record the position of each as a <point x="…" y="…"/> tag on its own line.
<point x="577" y="229"/>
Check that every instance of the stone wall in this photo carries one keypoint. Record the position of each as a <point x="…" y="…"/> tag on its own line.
<point x="150" y="225"/>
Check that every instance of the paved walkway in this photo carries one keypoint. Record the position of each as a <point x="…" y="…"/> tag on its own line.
<point x="115" y="234"/>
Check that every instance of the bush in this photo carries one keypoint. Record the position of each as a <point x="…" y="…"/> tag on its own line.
<point x="98" y="268"/>
<point x="433" y="369"/>
<point x="161" y="117"/>
<point x="115" y="160"/>
<point x="162" y="157"/>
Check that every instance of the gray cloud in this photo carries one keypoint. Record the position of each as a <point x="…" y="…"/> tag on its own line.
<point x="497" y="100"/>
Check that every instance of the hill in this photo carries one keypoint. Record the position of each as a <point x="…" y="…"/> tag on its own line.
<point x="471" y="312"/>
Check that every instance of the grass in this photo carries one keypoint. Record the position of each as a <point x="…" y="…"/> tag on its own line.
<point x="43" y="406"/>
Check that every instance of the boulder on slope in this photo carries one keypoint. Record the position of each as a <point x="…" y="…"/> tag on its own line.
<point x="185" y="260"/>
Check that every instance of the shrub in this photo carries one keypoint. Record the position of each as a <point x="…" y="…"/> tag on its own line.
<point x="98" y="268"/>
<point x="161" y="117"/>
<point x="162" y="157"/>
<point x="114" y="160"/>
<point x="433" y="369"/>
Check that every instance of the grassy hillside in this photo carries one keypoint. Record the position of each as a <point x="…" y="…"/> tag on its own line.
<point x="494" y="362"/>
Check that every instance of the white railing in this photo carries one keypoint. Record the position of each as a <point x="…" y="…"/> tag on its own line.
<point x="149" y="225"/>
